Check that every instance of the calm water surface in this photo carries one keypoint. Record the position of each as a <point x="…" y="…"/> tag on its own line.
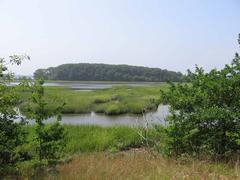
<point x="93" y="85"/>
<point x="157" y="117"/>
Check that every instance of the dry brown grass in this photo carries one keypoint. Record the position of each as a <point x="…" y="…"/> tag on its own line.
<point x="140" y="164"/>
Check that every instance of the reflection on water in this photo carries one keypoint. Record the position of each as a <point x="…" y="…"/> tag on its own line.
<point x="157" y="117"/>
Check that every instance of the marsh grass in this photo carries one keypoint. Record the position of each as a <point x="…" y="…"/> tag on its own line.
<point x="86" y="139"/>
<point x="95" y="139"/>
<point x="140" y="164"/>
<point x="113" y="101"/>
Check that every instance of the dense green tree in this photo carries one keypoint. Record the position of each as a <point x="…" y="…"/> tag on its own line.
<point x="205" y="113"/>
<point x="104" y="72"/>
<point x="11" y="133"/>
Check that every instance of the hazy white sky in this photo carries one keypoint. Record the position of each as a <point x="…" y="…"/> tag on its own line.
<point x="171" y="34"/>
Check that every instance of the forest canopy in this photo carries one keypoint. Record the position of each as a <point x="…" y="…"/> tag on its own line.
<point x="106" y="72"/>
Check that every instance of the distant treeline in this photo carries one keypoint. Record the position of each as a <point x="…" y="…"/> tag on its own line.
<point x="106" y="72"/>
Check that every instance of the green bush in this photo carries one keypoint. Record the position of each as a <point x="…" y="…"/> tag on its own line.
<point x="205" y="114"/>
<point x="49" y="139"/>
<point x="12" y="135"/>
<point x="53" y="139"/>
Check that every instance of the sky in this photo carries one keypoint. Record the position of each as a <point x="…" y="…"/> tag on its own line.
<point x="168" y="34"/>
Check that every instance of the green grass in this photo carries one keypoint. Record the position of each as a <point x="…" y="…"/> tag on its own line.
<point x="95" y="139"/>
<point x="113" y="101"/>
<point x="81" y="140"/>
<point x="85" y="139"/>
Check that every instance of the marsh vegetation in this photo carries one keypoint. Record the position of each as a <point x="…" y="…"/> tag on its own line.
<point x="112" y="101"/>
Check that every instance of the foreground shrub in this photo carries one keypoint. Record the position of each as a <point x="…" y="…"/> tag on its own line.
<point x="205" y="114"/>
<point x="11" y="133"/>
<point x="50" y="139"/>
<point x="11" y="137"/>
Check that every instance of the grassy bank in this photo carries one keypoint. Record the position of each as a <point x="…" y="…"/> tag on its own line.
<point x="113" y="101"/>
<point x="94" y="152"/>
<point x="140" y="164"/>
